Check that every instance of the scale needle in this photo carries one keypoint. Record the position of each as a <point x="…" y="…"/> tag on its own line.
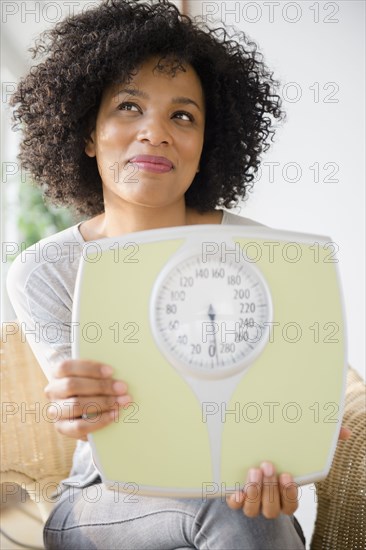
<point x="212" y="315"/>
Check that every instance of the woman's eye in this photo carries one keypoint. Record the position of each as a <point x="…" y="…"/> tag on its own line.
<point x="126" y="106"/>
<point x="187" y="116"/>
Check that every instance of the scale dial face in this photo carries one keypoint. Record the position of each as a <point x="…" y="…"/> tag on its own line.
<point x="210" y="318"/>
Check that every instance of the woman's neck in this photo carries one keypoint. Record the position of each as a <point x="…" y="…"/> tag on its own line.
<point x="112" y="223"/>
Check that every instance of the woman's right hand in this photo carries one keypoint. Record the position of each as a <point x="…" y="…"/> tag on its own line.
<point x="84" y="397"/>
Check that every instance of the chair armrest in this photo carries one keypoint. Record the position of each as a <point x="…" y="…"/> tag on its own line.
<point x="341" y="514"/>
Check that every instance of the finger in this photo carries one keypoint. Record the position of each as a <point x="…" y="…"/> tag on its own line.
<point x="288" y="494"/>
<point x="344" y="434"/>
<point x="253" y="493"/>
<point x="271" y="505"/>
<point x="62" y="388"/>
<point x="83" y="368"/>
<point x="79" y="428"/>
<point x="76" y="407"/>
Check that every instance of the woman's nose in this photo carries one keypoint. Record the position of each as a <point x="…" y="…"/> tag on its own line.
<point x="155" y="130"/>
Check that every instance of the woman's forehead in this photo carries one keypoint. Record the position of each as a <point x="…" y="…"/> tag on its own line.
<point x="150" y="71"/>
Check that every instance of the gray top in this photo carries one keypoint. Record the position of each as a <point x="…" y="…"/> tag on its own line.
<point x="41" y="285"/>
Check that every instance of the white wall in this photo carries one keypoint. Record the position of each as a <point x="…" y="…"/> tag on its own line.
<point x="307" y="43"/>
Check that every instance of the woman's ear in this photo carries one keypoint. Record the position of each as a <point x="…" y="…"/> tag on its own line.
<point x="90" y="145"/>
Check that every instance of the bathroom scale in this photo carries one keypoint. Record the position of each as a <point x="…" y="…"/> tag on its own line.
<point x="231" y="340"/>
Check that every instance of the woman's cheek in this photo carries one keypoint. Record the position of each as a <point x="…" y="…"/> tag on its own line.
<point x="111" y="157"/>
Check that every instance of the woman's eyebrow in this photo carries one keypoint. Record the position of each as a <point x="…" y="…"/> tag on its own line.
<point x="139" y="93"/>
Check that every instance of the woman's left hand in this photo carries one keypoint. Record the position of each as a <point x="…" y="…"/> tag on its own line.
<point x="269" y="494"/>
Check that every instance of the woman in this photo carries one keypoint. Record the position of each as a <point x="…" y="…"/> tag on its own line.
<point x="138" y="118"/>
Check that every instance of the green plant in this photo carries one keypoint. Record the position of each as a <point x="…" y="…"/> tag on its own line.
<point x="37" y="219"/>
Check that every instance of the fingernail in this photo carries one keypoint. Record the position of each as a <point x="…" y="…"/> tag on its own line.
<point x="286" y="479"/>
<point x="254" y="475"/>
<point x="106" y="370"/>
<point x="268" y="469"/>
<point x="119" y="387"/>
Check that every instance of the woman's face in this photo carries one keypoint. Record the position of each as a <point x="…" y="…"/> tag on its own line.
<point x="154" y="115"/>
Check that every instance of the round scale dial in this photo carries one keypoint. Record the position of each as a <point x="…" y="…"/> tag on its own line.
<point x="210" y="318"/>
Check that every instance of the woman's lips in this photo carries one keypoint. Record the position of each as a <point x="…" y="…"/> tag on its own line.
<point x="150" y="163"/>
<point x="152" y="167"/>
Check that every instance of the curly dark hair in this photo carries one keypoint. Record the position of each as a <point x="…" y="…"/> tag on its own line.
<point x="57" y="102"/>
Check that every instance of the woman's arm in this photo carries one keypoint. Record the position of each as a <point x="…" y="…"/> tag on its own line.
<point x="41" y="285"/>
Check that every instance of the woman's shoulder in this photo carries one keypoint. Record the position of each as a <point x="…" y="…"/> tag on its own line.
<point x="39" y="262"/>
<point x="234" y="219"/>
<point x="40" y="285"/>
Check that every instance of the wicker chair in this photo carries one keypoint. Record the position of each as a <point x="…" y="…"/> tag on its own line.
<point x="34" y="456"/>
<point x="341" y="514"/>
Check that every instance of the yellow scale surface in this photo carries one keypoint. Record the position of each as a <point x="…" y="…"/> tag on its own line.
<point x="161" y="442"/>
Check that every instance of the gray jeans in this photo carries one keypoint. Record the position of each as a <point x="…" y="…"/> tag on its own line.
<point x="98" y="518"/>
